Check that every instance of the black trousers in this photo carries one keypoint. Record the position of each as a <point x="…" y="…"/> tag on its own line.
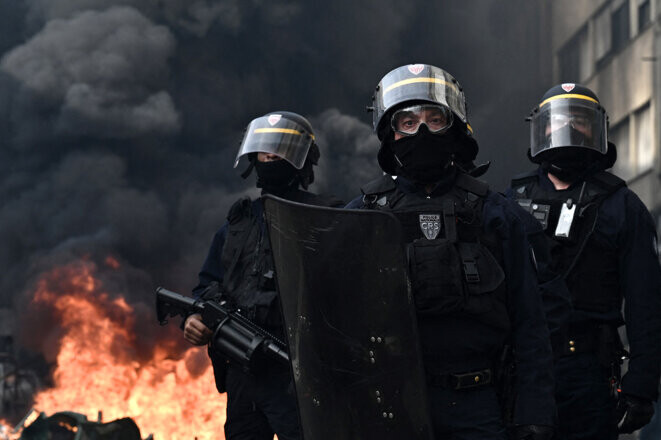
<point x="470" y="414"/>
<point x="260" y="406"/>
<point x="586" y="406"/>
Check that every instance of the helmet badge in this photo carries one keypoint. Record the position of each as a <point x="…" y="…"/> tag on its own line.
<point x="416" y="68"/>
<point x="568" y="87"/>
<point x="273" y="119"/>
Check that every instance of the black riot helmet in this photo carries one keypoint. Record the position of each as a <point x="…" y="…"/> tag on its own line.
<point x="570" y="123"/>
<point x="419" y="84"/>
<point x="285" y="134"/>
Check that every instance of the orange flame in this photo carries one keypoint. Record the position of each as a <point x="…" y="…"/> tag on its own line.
<point x="98" y="370"/>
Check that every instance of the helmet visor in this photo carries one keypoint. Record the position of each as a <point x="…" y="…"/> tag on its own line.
<point x="276" y="135"/>
<point x="430" y="84"/>
<point x="568" y="122"/>
<point x="407" y="121"/>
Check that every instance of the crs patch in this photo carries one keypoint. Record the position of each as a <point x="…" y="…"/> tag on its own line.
<point x="568" y="87"/>
<point x="430" y="224"/>
<point x="416" y="68"/>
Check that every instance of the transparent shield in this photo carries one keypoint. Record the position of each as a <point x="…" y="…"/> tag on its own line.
<point x="568" y="123"/>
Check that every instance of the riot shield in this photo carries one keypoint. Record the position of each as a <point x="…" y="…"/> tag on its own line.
<point x="350" y="322"/>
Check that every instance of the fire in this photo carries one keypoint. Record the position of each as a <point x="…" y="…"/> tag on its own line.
<point x="98" y="368"/>
<point x="6" y="432"/>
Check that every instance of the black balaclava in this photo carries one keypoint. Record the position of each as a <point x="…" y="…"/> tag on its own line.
<point x="276" y="177"/>
<point x="572" y="165"/>
<point x="425" y="157"/>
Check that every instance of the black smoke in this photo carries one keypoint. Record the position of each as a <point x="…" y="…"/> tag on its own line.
<point x="120" y="120"/>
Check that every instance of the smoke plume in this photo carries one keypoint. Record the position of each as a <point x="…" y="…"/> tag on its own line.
<point x="120" y="119"/>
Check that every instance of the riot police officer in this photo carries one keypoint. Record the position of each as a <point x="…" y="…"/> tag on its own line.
<point x="471" y="269"/>
<point x="603" y="243"/>
<point x="280" y="146"/>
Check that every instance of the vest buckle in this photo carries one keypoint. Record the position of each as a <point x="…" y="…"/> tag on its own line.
<point x="470" y="271"/>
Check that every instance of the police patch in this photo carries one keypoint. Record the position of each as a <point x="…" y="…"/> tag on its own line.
<point x="416" y="68"/>
<point x="273" y="119"/>
<point x="430" y="224"/>
<point x="568" y="87"/>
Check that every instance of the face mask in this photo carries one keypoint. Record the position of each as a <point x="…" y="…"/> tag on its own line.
<point x="425" y="157"/>
<point x="568" y="174"/>
<point x="275" y="175"/>
<point x="571" y="166"/>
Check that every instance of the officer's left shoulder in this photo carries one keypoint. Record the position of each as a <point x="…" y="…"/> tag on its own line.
<point x="318" y="199"/>
<point x="624" y="204"/>
<point x="502" y="205"/>
<point x="502" y="214"/>
<point x="472" y="184"/>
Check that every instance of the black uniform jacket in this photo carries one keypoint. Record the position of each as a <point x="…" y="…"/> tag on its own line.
<point x="529" y="333"/>
<point x="625" y="225"/>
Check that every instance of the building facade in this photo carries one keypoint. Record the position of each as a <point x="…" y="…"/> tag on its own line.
<point x="614" y="48"/>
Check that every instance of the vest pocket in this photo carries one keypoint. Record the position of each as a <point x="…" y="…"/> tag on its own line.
<point x="449" y="277"/>
<point x="482" y="272"/>
<point x="435" y="269"/>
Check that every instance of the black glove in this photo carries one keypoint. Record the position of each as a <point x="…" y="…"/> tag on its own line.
<point x="533" y="432"/>
<point x="632" y="413"/>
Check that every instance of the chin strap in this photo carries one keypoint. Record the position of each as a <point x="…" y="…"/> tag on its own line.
<point x="248" y="170"/>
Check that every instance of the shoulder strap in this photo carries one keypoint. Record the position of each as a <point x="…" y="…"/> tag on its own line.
<point x="472" y="185"/>
<point x="450" y="220"/>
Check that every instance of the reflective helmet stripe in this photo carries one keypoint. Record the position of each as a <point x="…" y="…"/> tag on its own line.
<point x="418" y="80"/>
<point x="280" y="130"/>
<point x="569" y="95"/>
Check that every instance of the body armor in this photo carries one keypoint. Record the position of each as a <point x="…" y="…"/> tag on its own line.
<point x="588" y="263"/>
<point x="445" y="236"/>
<point x="246" y="259"/>
<point x="248" y="280"/>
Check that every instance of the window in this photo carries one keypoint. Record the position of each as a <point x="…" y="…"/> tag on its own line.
<point x="644" y="14"/>
<point x="620" y="27"/>
<point x="574" y="58"/>
<point x="602" y="34"/>
<point x="619" y="135"/>
<point x="644" y="139"/>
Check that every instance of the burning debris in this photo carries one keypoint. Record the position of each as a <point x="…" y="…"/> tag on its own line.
<point x="17" y="384"/>
<point x="71" y="426"/>
<point x="100" y="364"/>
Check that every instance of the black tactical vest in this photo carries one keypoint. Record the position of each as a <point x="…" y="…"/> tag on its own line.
<point x="248" y="269"/>
<point x="246" y="259"/>
<point x="455" y="267"/>
<point x="588" y="265"/>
